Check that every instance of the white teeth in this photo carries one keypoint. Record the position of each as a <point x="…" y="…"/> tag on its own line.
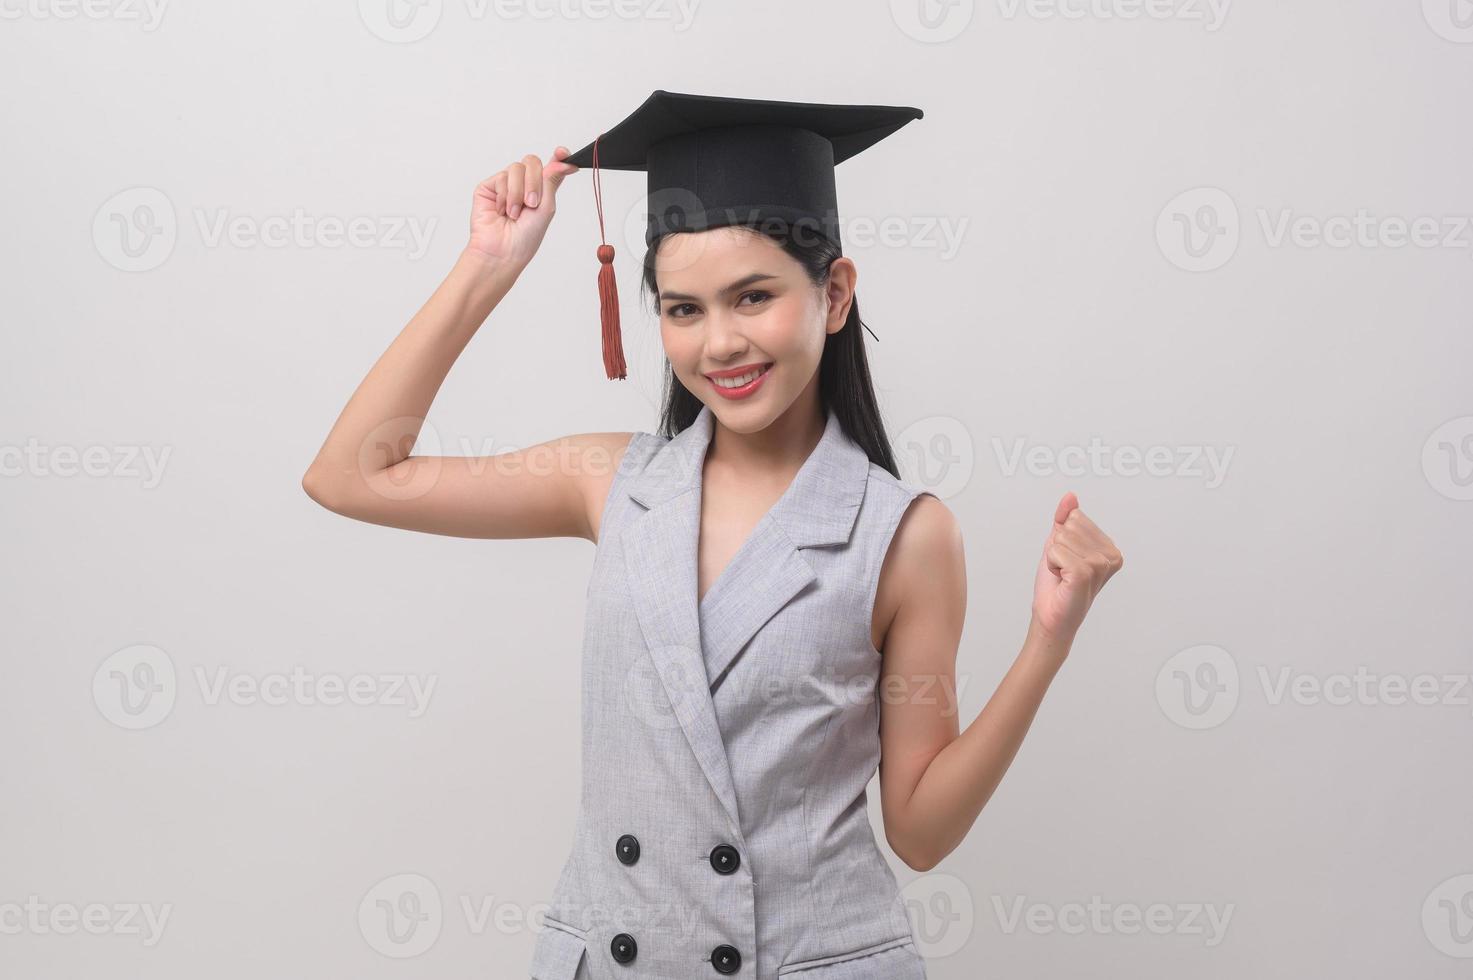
<point x="739" y="381"/>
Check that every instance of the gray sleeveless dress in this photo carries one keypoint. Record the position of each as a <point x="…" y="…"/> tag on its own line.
<point x="727" y="742"/>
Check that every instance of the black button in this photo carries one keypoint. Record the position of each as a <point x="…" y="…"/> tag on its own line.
<point x="624" y="948"/>
<point x="627" y="848"/>
<point x="725" y="859"/>
<point x="726" y="959"/>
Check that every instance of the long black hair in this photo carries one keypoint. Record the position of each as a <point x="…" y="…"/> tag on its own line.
<point x="844" y="383"/>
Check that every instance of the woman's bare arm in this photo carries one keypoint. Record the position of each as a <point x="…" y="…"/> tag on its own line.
<point x="364" y="469"/>
<point x="934" y="782"/>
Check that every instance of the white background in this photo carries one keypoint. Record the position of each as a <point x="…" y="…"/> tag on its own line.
<point x="1068" y="149"/>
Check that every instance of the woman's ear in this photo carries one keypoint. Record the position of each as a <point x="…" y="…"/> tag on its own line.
<point x="840" y="292"/>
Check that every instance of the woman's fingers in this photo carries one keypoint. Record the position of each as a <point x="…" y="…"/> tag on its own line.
<point x="515" y="187"/>
<point x="529" y="181"/>
<point x="532" y="164"/>
<point x="558" y="167"/>
<point x="526" y="183"/>
<point x="1096" y="540"/>
<point x="485" y="190"/>
<point x="1080" y="537"/>
<point x="554" y="173"/>
<point x="1060" y="555"/>
<point x="1081" y="519"/>
<point x="1067" y="503"/>
<point x="498" y="185"/>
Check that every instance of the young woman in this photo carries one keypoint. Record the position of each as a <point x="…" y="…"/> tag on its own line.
<point x="773" y="615"/>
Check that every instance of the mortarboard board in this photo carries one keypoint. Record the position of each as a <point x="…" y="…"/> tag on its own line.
<point x="714" y="161"/>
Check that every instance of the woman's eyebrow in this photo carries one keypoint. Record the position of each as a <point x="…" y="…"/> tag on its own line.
<point x="741" y="283"/>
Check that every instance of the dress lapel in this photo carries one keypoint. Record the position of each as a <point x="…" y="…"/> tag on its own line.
<point x="769" y="570"/>
<point x="692" y="642"/>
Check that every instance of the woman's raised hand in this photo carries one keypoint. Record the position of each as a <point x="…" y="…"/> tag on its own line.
<point x="511" y="209"/>
<point x="1078" y="559"/>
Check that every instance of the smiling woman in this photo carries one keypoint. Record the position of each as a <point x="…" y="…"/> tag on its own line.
<point x="762" y="308"/>
<point x="762" y="571"/>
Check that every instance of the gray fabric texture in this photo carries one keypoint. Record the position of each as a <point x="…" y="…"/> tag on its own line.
<point x="748" y="718"/>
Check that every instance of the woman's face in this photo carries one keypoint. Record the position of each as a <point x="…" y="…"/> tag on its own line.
<point x="743" y="326"/>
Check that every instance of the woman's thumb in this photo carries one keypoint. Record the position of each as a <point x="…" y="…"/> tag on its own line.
<point x="556" y="170"/>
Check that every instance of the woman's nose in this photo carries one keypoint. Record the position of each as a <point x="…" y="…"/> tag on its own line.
<point x="724" y="336"/>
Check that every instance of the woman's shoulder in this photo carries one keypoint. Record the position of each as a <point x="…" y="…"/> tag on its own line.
<point x="898" y="490"/>
<point x="924" y="563"/>
<point x="637" y="449"/>
<point x="605" y="451"/>
<point x="925" y="531"/>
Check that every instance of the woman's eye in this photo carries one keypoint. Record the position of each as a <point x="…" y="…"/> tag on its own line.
<point x="680" y="310"/>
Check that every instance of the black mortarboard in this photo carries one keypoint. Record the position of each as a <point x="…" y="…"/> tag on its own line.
<point x="715" y="161"/>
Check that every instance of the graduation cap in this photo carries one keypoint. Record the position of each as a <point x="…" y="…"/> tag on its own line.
<point x="714" y="161"/>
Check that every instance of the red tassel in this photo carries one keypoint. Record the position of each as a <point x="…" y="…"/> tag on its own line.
<point x="608" y="312"/>
<point x="608" y="292"/>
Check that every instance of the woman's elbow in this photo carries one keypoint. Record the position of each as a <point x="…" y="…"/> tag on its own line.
<point x="319" y="489"/>
<point x="921" y="865"/>
<point x="917" y="856"/>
